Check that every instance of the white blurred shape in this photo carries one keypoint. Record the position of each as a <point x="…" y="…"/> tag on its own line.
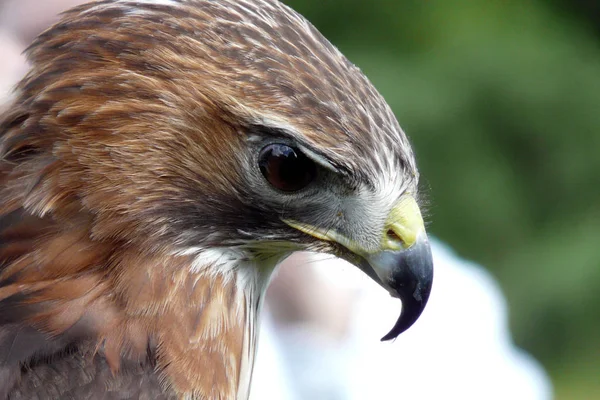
<point x="460" y="348"/>
<point x="270" y="380"/>
<point x="12" y="66"/>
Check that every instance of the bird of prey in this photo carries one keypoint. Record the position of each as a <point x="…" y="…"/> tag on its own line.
<point x="158" y="161"/>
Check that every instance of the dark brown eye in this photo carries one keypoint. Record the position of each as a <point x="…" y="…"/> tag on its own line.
<point x="286" y="168"/>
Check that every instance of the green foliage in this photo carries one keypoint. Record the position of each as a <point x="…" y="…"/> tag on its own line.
<point x="501" y="101"/>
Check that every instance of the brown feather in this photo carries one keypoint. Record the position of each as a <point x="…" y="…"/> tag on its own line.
<point x="129" y="143"/>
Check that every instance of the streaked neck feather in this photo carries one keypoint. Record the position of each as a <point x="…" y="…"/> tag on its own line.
<point x="211" y="354"/>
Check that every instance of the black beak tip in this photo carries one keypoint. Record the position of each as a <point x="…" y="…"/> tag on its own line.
<point x="412" y="307"/>
<point x="412" y="281"/>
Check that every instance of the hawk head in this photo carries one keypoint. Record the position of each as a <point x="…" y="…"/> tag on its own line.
<point x="163" y="156"/>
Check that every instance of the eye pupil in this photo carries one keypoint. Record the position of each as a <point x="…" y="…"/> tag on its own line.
<point x="286" y="168"/>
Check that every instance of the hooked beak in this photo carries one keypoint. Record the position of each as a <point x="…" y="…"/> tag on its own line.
<point x="403" y="264"/>
<point x="406" y="274"/>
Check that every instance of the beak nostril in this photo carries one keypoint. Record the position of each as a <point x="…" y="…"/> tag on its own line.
<point x="393" y="236"/>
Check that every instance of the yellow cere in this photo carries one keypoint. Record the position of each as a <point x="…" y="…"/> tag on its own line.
<point x="404" y="225"/>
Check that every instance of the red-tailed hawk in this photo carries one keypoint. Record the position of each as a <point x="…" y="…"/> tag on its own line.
<point x="160" y="159"/>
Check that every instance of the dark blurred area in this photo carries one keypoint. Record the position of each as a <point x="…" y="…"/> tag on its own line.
<point x="501" y="99"/>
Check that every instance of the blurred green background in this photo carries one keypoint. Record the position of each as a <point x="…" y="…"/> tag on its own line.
<point x="501" y="99"/>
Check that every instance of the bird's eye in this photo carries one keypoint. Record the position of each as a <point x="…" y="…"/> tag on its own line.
<point x="285" y="167"/>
